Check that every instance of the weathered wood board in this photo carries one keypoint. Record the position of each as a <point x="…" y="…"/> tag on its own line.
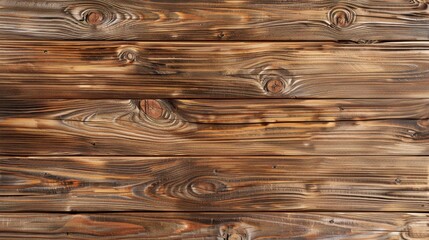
<point x="216" y="226"/>
<point x="356" y="20"/>
<point x="220" y="111"/>
<point x="91" y="70"/>
<point x="88" y="184"/>
<point x="140" y="125"/>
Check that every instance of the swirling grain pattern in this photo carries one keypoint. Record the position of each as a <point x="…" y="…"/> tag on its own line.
<point x="216" y="226"/>
<point x="214" y="184"/>
<point x="220" y="111"/>
<point x="357" y="20"/>
<point x="133" y="130"/>
<point x="208" y="70"/>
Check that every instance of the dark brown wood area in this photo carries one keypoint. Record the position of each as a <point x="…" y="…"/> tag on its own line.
<point x="214" y="119"/>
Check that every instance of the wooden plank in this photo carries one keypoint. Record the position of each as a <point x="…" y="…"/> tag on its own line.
<point x="356" y="20"/>
<point x="210" y="70"/>
<point x="216" y="226"/>
<point x="221" y="111"/>
<point x="134" y="130"/>
<point x="263" y="183"/>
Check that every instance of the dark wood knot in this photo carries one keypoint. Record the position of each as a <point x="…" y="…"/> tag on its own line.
<point x="275" y="86"/>
<point x="341" y="16"/>
<point x="275" y="80"/>
<point x="152" y="108"/>
<point x="94" y="18"/>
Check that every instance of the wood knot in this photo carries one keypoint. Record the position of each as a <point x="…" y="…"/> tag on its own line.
<point x="233" y="233"/>
<point x="274" y="86"/>
<point x="94" y="18"/>
<point x="235" y="236"/>
<point x="341" y="17"/>
<point x="152" y="108"/>
<point x="206" y="187"/>
<point x="128" y="55"/>
<point x="275" y="81"/>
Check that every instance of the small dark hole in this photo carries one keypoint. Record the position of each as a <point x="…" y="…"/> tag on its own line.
<point x="45" y="51"/>
<point x="331" y="221"/>
<point x="275" y="166"/>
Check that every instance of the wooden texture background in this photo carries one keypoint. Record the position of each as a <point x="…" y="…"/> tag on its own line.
<point x="214" y="119"/>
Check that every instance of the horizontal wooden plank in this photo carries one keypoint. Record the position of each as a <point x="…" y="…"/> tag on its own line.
<point x="216" y="226"/>
<point x="356" y="20"/>
<point x="221" y="111"/>
<point x="212" y="70"/>
<point x="136" y="128"/>
<point x="361" y="183"/>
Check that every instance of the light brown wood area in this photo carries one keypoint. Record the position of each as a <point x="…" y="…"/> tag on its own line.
<point x="219" y="226"/>
<point x="211" y="70"/>
<point x="357" y="20"/>
<point x="214" y="119"/>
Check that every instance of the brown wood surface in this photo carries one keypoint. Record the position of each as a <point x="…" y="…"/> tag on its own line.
<point x="221" y="111"/>
<point x="356" y="20"/>
<point x="358" y="183"/>
<point x="141" y="125"/>
<point x="54" y="69"/>
<point x="214" y="119"/>
<point x="216" y="226"/>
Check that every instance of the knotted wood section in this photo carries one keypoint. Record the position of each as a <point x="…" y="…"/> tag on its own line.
<point x="357" y="20"/>
<point x="299" y="183"/>
<point x="134" y="127"/>
<point x="148" y="70"/>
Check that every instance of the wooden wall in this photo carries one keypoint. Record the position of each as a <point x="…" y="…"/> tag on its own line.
<point x="214" y="119"/>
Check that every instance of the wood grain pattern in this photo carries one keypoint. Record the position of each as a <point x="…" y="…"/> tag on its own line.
<point x="216" y="226"/>
<point x="209" y="70"/>
<point x="356" y="20"/>
<point x="221" y="111"/>
<point x="214" y="183"/>
<point x="136" y="128"/>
